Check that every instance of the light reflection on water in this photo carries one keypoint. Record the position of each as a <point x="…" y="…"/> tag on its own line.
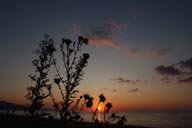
<point x="99" y="116"/>
<point x="160" y="120"/>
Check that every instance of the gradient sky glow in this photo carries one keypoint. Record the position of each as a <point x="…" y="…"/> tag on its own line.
<point x="136" y="48"/>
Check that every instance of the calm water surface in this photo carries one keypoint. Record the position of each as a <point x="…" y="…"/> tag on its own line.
<point x="159" y="120"/>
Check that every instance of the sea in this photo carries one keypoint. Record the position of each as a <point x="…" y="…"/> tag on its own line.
<point x="151" y="119"/>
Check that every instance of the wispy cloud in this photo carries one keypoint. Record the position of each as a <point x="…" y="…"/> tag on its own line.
<point x="185" y="80"/>
<point x="128" y="81"/>
<point x="103" y="35"/>
<point x="108" y="42"/>
<point x="118" y="26"/>
<point x="180" y="72"/>
<point x="134" y="90"/>
<point x="114" y="90"/>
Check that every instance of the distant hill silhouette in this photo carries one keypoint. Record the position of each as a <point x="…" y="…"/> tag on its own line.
<point x="10" y="106"/>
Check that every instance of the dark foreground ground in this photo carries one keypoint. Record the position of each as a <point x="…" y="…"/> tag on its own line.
<point x="13" y="121"/>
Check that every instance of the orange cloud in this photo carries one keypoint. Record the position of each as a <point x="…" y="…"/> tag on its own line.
<point x="108" y="42"/>
<point x="104" y="34"/>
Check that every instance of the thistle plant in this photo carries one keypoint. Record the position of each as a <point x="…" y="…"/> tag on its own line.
<point x="38" y="92"/>
<point x="108" y="117"/>
<point x="102" y="99"/>
<point x="74" y="64"/>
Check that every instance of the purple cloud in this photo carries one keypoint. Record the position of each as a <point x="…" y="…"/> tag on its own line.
<point x="180" y="72"/>
<point x="186" y="64"/>
<point x="168" y="70"/>
<point x="124" y="80"/>
<point x="185" y="80"/>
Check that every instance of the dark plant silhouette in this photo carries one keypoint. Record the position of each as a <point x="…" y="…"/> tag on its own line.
<point x="38" y="92"/>
<point x="74" y="64"/>
<point x="101" y="99"/>
<point x="108" y="117"/>
<point x="70" y="104"/>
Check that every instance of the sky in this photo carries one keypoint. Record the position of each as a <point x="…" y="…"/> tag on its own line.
<point x="140" y="50"/>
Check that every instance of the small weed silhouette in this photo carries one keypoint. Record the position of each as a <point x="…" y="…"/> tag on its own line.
<point x="108" y="117"/>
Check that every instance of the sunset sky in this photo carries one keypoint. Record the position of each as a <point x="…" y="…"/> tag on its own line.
<point x="140" y="50"/>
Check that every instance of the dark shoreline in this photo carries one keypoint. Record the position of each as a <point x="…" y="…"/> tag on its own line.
<point x="17" y="121"/>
